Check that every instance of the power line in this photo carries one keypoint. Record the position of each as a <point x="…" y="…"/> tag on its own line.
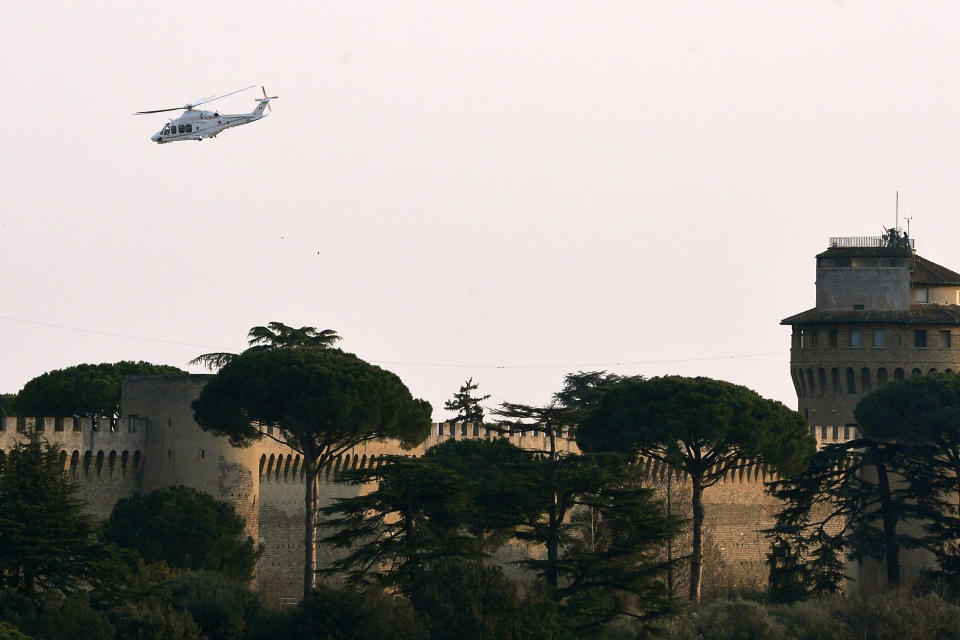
<point x="106" y="333"/>
<point x="418" y="364"/>
<point x="581" y="365"/>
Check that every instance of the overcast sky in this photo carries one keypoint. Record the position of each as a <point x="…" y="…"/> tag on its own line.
<point x="504" y="190"/>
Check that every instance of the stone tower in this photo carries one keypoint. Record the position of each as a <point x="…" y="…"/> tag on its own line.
<point x="882" y="313"/>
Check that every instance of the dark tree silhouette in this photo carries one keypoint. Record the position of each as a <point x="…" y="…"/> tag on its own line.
<point x="322" y="401"/>
<point x="703" y="427"/>
<point x="466" y="405"/>
<point x="273" y="336"/>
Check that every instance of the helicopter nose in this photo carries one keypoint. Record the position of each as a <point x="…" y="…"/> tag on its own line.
<point x="155" y="137"/>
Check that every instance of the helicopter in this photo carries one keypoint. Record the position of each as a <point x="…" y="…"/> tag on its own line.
<point x="197" y="125"/>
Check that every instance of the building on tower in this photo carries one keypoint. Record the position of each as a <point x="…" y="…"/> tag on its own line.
<point x="882" y="313"/>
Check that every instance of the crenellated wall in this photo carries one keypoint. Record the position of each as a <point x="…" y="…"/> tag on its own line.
<point x="105" y="458"/>
<point x="157" y="443"/>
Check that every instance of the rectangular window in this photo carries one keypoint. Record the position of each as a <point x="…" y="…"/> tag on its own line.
<point x="833" y="337"/>
<point x="879" y="338"/>
<point x="921" y="295"/>
<point x="180" y="128"/>
<point x="945" y="340"/>
<point x="189" y="128"/>
<point x="920" y="338"/>
<point x="854" y="338"/>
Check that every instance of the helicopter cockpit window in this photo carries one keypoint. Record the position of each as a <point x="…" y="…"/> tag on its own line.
<point x="166" y="131"/>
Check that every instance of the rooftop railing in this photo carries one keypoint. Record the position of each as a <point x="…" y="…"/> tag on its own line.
<point x="866" y="241"/>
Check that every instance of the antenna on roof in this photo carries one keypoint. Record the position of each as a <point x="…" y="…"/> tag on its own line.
<point x="896" y="225"/>
<point x="908" y="219"/>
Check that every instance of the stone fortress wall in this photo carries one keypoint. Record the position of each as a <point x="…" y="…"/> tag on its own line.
<point x="156" y="443"/>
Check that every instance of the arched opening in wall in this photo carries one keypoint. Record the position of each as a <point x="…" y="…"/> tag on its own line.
<point x="363" y="462"/>
<point x="439" y="428"/>
<point x="948" y="370"/>
<point x="124" y="458"/>
<point x="810" y="386"/>
<point x="932" y="371"/>
<point x="87" y="459"/>
<point x="137" y="460"/>
<point x="881" y="377"/>
<point x="803" y="383"/>
<point x="99" y="462"/>
<point x="74" y="464"/>
<point x="898" y="374"/>
<point x="835" y="382"/>
<point x="263" y="463"/>
<point x="270" y="462"/>
<point x="278" y="471"/>
<point x="62" y="459"/>
<point x="296" y="466"/>
<point x="851" y="382"/>
<point x="822" y="380"/>
<point x="865" y="386"/>
<point x="476" y="429"/>
<point x="337" y="463"/>
<point x="111" y="463"/>
<point x="916" y="372"/>
<point x="356" y="461"/>
<point x="286" y="468"/>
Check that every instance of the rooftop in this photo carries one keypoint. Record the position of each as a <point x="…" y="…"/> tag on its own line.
<point x="917" y="314"/>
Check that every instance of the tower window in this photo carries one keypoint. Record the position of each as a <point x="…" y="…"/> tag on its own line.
<point x="854" y="338"/>
<point x="833" y="337"/>
<point x="879" y="338"/>
<point x="920" y="338"/>
<point x="921" y="295"/>
<point x="945" y="340"/>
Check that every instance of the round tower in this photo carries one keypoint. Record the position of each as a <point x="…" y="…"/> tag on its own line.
<point x="882" y="313"/>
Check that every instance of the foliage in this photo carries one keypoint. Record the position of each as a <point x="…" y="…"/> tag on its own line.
<point x="153" y="620"/>
<point x="82" y="390"/>
<point x="186" y="529"/>
<point x="59" y="618"/>
<point x="344" y="614"/>
<point x="7" y="401"/>
<point x="275" y="335"/>
<point x="10" y="632"/>
<point x="724" y="620"/>
<point x="705" y="428"/>
<point x="323" y="402"/>
<point x="466" y="405"/>
<point x="462" y="495"/>
<point x="411" y="519"/>
<point x="471" y="601"/>
<point x="47" y="543"/>
<point x="920" y="417"/>
<point x="222" y="608"/>
<point x="842" y="504"/>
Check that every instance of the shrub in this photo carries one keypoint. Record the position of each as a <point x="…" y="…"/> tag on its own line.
<point x="344" y="614"/>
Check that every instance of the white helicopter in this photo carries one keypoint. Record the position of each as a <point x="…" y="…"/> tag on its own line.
<point x="197" y="125"/>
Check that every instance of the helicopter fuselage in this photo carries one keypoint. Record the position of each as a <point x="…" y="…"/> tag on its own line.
<point x="195" y="124"/>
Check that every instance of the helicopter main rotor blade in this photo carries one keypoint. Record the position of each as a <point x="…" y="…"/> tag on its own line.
<point x="140" y="113"/>
<point x="206" y="100"/>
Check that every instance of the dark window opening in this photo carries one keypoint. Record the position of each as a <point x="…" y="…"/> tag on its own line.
<point x="945" y="340"/>
<point x="920" y="338"/>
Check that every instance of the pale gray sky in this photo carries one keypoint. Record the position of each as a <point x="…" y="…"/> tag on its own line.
<point x="560" y="184"/>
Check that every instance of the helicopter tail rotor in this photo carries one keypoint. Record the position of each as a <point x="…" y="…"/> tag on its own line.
<point x="266" y="98"/>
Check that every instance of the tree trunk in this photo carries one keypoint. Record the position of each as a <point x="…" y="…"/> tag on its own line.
<point x="891" y="546"/>
<point x="696" y="556"/>
<point x="309" y="530"/>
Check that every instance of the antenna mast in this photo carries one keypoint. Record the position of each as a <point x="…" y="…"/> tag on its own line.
<point x="896" y="225"/>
